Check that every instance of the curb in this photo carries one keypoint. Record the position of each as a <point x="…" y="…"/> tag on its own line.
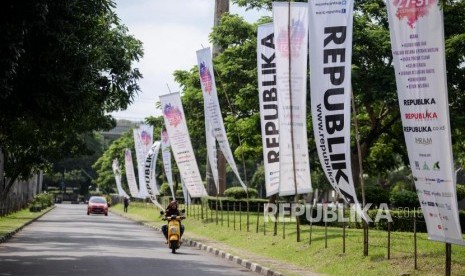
<point x="9" y="235"/>
<point x="254" y="267"/>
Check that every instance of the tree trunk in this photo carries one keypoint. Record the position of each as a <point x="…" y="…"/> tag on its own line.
<point x="221" y="7"/>
<point x="2" y="170"/>
<point x="221" y="173"/>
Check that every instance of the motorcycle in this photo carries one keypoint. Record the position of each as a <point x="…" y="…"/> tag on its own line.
<point x="174" y="230"/>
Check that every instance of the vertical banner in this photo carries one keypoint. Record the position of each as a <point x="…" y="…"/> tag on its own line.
<point x="268" y="95"/>
<point x="130" y="176"/>
<point x="150" y="173"/>
<point x="142" y="142"/>
<point x="139" y="164"/>
<point x="176" y="127"/>
<point x="212" y="107"/>
<point x="291" y="38"/>
<point x="330" y="89"/>
<point x="187" y="198"/>
<point x="417" y="39"/>
<point x="211" y="151"/>
<point x="166" y="156"/>
<point x="117" y="172"/>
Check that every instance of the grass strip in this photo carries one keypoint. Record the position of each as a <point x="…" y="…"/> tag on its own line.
<point x="322" y="256"/>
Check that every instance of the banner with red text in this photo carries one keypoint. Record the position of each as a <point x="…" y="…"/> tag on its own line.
<point x="291" y="38"/>
<point x="175" y="123"/>
<point x="417" y="39"/>
<point x="268" y="96"/>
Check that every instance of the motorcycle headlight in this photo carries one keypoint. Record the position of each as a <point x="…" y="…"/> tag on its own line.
<point x="174" y="230"/>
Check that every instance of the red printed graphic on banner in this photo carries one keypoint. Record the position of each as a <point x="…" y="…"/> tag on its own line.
<point x="413" y="9"/>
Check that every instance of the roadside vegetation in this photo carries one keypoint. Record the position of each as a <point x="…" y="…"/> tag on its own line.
<point x="321" y="256"/>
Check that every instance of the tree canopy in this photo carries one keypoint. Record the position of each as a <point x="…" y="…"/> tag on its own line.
<point x="382" y="142"/>
<point x="63" y="66"/>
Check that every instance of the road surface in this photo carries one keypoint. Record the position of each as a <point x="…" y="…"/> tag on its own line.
<point x="67" y="242"/>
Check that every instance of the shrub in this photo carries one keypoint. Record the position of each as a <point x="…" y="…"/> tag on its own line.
<point x="404" y="198"/>
<point x="375" y="194"/>
<point x="179" y="193"/>
<point x="238" y="193"/>
<point x="460" y="192"/>
<point x="43" y="200"/>
<point x="165" y="189"/>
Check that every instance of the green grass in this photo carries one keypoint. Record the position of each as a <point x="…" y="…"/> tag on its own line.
<point x="316" y="256"/>
<point x="16" y="220"/>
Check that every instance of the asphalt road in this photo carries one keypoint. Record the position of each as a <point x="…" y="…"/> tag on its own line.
<point x="68" y="242"/>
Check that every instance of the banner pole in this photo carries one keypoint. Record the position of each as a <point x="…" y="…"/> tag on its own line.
<point x="221" y="206"/>
<point x="311" y="224"/>
<point x="216" y="209"/>
<point x="258" y="217"/>
<point x="343" y="231"/>
<point x="234" y="215"/>
<point x="326" y="225"/>
<point x="275" y="230"/>
<point x="415" y="241"/>
<point x="360" y="164"/>
<point x="389" y="240"/>
<point x="448" y="258"/>
<point x="240" y="216"/>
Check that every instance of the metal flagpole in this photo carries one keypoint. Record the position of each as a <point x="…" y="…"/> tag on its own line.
<point x="362" y="183"/>
<point x="296" y="199"/>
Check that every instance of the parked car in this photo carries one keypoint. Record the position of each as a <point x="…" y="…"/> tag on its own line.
<point x="97" y="205"/>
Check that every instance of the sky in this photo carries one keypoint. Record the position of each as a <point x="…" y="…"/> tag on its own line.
<point x="171" y="32"/>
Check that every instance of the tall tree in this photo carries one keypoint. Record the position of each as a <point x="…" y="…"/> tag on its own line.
<point x="64" y="65"/>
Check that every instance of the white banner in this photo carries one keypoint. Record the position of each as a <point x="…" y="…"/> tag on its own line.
<point x="166" y="156"/>
<point x="142" y="142"/>
<point x="117" y="172"/>
<point x="176" y="126"/>
<point x="417" y="39"/>
<point x="291" y="81"/>
<point x="211" y="151"/>
<point x="330" y="88"/>
<point x="150" y="173"/>
<point x="130" y="176"/>
<point x="187" y="198"/>
<point x="212" y="108"/>
<point x="268" y="96"/>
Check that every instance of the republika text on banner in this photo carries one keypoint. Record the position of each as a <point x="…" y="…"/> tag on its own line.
<point x="150" y="173"/>
<point x="130" y="176"/>
<point x="291" y="78"/>
<point x="268" y="96"/>
<point x="142" y="142"/>
<point x="175" y="123"/>
<point x="117" y="172"/>
<point x="417" y="39"/>
<point x="330" y="89"/>
<point x="212" y="107"/>
<point x="166" y="156"/>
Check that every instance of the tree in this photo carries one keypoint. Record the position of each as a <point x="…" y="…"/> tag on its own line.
<point x="66" y="65"/>
<point x="382" y="143"/>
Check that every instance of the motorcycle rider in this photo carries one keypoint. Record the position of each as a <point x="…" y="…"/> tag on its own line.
<point x="172" y="209"/>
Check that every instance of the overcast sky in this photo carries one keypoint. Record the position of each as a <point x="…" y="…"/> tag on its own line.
<point x="171" y="32"/>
